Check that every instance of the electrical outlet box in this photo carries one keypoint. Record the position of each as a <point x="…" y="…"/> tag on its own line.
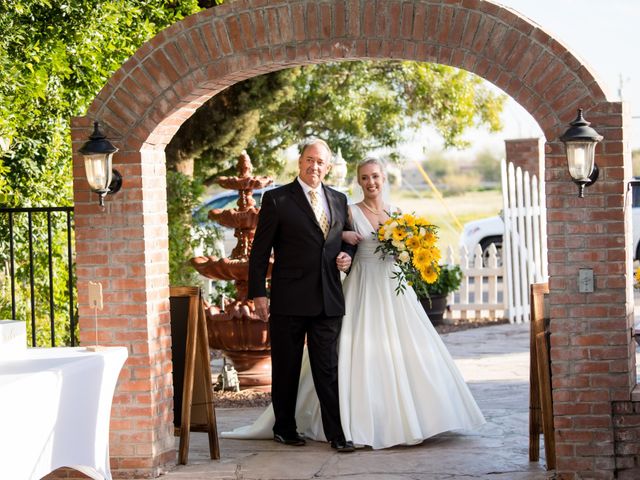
<point x="95" y="295"/>
<point x="585" y="280"/>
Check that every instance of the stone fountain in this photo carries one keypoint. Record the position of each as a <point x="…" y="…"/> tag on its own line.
<point x="234" y="328"/>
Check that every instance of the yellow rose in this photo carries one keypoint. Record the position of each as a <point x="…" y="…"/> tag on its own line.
<point x="399" y="245"/>
<point x="404" y="257"/>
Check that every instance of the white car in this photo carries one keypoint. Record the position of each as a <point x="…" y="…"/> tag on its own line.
<point x="483" y="232"/>
<point x="490" y="230"/>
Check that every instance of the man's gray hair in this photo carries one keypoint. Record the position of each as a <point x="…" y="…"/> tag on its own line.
<point x="307" y="142"/>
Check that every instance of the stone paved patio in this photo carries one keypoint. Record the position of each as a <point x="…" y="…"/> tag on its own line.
<point x="494" y="361"/>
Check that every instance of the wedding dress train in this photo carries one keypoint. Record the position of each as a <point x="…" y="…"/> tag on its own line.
<point x="398" y="383"/>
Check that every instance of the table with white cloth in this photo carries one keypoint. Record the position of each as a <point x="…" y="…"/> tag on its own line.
<point x="55" y="407"/>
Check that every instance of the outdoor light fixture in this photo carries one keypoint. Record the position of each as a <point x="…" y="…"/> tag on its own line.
<point x="580" y="141"/>
<point x="338" y="169"/>
<point x="97" y="153"/>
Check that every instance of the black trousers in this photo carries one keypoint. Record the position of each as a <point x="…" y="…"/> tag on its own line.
<point x="287" y="343"/>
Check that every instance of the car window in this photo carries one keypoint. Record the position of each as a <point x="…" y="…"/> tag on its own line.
<point x="223" y="202"/>
<point x="635" y="196"/>
<point x="227" y="202"/>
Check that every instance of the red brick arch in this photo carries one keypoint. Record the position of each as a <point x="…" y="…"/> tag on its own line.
<point x="150" y="96"/>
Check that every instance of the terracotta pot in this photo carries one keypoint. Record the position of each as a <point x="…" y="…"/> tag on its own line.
<point x="435" y="309"/>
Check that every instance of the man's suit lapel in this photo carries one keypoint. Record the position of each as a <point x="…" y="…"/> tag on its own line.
<point x="334" y="207"/>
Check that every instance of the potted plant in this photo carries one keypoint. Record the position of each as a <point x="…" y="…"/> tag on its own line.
<point x="434" y="295"/>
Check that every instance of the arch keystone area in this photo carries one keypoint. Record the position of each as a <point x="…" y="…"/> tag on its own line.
<point x="157" y="89"/>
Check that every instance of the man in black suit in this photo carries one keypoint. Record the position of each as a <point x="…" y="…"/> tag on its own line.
<point x="303" y="222"/>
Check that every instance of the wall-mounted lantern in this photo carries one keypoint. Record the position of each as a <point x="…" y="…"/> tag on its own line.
<point x="580" y="141"/>
<point x="98" y="153"/>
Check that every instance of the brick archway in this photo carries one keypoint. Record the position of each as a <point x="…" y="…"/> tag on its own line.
<point x="146" y="101"/>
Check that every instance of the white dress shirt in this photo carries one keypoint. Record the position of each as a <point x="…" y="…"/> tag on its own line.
<point x="320" y="191"/>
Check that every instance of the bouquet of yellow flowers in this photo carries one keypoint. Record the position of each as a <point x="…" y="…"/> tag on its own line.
<point x="636" y="278"/>
<point x="411" y="240"/>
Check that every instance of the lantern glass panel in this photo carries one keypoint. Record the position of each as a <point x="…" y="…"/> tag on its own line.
<point x="580" y="156"/>
<point x="98" y="170"/>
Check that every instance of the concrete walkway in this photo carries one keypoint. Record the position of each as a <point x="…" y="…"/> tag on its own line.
<point x="495" y="363"/>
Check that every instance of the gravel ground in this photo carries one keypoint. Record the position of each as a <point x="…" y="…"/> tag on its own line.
<point x="252" y="398"/>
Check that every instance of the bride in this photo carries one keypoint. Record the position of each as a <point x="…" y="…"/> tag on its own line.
<point x="398" y="384"/>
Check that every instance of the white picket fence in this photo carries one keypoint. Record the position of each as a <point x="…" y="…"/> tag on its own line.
<point x="525" y="240"/>
<point x="481" y="294"/>
<point x="494" y="291"/>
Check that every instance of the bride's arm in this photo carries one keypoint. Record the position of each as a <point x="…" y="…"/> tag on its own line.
<point x="352" y="238"/>
<point x="349" y="236"/>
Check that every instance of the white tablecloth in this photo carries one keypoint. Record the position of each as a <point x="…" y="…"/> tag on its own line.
<point x="55" y="406"/>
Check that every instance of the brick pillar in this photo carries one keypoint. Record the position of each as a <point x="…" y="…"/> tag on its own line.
<point x="125" y="247"/>
<point x="593" y="368"/>
<point x="528" y="154"/>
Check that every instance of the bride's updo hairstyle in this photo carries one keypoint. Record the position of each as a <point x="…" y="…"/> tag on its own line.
<point x="371" y="161"/>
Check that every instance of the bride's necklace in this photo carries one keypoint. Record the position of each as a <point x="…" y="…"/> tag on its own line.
<point x="375" y="212"/>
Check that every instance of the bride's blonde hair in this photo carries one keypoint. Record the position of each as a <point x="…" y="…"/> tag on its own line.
<point x="371" y="161"/>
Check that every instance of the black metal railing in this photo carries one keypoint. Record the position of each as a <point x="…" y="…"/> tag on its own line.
<point x="37" y="281"/>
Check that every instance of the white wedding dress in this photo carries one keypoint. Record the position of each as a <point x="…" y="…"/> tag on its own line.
<point x="398" y="383"/>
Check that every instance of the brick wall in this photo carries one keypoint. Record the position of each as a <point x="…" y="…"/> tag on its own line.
<point x="526" y="153"/>
<point x="145" y="102"/>
<point x="626" y="424"/>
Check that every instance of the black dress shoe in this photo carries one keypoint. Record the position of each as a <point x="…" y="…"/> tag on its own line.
<point x="296" y="439"/>
<point x="342" y="445"/>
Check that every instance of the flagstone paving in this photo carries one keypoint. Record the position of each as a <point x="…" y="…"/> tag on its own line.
<point x="495" y="363"/>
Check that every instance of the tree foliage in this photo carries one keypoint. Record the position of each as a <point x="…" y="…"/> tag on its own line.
<point x="357" y="106"/>
<point x="360" y="106"/>
<point x="54" y="58"/>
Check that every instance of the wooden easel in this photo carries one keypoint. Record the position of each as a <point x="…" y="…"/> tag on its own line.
<point x="193" y="396"/>
<point x="540" y="399"/>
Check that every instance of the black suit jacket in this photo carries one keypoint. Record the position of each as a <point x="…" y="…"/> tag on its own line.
<point x="305" y="280"/>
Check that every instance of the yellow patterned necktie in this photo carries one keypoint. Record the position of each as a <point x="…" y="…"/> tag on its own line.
<point x="318" y="210"/>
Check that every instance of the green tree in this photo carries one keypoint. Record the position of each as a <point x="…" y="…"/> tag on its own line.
<point x="360" y="106"/>
<point x="356" y="106"/>
<point x="488" y="166"/>
<point x="438" y="166"/>
<point x="54" y="58"/>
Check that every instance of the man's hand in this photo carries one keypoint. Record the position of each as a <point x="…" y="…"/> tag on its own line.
<point x="261" y="305"/>
<point x="343" y="261"/>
